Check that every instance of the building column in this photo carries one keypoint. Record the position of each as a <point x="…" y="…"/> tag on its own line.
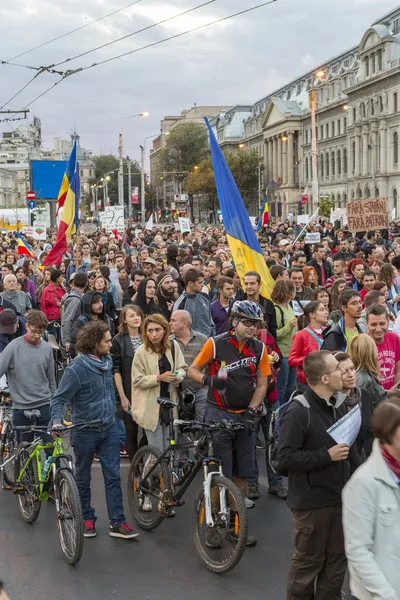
<point x="274" y="157"/>
<point x="365" y="131"/>
<point x="279" y="173"/>
<point x="285" y="163"/>
<point x="357" y="152"/>
<point x="375" y="148"/>
<point x="270" y="160"/>
<point x="383" y="132"/>
<point x="290" y="165"/>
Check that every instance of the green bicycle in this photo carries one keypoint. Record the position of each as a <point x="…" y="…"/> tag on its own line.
<point x="36" y="483"/>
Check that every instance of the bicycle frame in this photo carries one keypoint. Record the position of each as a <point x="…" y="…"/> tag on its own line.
<point x="35" y="454"/>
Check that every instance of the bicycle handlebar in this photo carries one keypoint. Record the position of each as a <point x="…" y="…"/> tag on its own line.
<point x="211" y="425"/>
<point x="58" y="429"/>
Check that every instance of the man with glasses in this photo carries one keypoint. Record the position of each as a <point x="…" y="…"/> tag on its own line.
<point x="318" y="470"/>
<point x="238" y="368"/>
<point x="28" y="363"/>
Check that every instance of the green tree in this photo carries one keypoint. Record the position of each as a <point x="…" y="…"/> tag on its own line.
<point x="187" y="146"/>
<point x="105" y="163"/>
<point x="325" y="207"/>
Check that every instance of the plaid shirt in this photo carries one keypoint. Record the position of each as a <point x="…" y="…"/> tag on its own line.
<point x="331" y="281"/>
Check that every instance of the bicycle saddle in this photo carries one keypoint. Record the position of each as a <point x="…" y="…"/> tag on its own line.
<point x="51" y="339"/>
<point x="167" y="403"/>
<point x="32" y="414"/>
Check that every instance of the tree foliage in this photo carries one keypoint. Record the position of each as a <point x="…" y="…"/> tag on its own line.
<point x="108" y="163"/>
<point x="325" y="207"/>
<point x="187" y="146"/>
<point x="244" y="167"/>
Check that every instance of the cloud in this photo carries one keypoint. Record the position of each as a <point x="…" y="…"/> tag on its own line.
<point x="239" y="61"/>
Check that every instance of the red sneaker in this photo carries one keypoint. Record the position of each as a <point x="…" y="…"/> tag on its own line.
<point x="90" y="530"/>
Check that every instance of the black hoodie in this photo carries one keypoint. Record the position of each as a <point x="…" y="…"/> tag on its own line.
<point x="87" y="300"/>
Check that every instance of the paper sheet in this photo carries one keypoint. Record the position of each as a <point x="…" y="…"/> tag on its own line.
<point x="345" y="431"/>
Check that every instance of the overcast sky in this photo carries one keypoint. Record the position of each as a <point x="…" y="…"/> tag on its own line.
<point x="238" y="61"/>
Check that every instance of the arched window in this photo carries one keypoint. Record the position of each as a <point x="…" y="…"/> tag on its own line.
<point x="339" y="162"/>
<point x="345" y="161"/>
<point x="362" y="109"/>
<point x="339" y="200"/>
<point x="367" y="192"/>
<point x="321" y="163"/>
<point x="333" y="164"/>
<point x="376" y="192"/>
<point x="359" y="194"/>
<point x="345" y="198"/>
<point x="306" y="168"/>
<point x="327" y="165"/>
<point x="353" y="195"/>
<point x="395" y="148"/>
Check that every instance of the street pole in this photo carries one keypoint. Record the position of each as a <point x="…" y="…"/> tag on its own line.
<point x="121" y="171"/>
<point x="142" y="204"/>
<point x="314" y="185"/>
<point x="129" y="188"/>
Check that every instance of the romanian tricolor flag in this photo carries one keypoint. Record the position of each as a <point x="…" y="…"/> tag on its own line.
<point x="68" y="175"/>
<point x="242" y="240"/>
<point x="264" y="217"/>
<point x="69" y="221"/>
<point x="24" y="247"/>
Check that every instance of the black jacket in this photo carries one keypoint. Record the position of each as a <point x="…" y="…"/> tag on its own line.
<point x="86" y="316"/>
<point x="335" y="338"/>
<point x="269" y="314"/>
<point x="122" y="354"/>
<point x="325" y="265"/>
<point x="315" y="481"/>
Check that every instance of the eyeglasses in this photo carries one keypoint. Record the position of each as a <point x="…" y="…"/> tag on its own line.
<point x="249" y="323"/>
<point x="37" y="332"/>
<point x="337" y="368"/>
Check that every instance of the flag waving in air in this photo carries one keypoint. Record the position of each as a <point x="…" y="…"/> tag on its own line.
<point x="264" y="217"/>
<point x="242" y="240"/>
<point x="70" y="218"/>
<point x="67" y="179"/>
<point x="24" y="247"/>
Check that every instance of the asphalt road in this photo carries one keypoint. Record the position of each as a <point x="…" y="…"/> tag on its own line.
<point x="162" y="564"/>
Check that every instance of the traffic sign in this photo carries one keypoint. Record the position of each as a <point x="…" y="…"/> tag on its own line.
<point x="31" y="204"/>
<point x="31" y="195"/>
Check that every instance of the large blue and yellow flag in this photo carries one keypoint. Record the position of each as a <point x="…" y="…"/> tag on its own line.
<point x="242" y="240"/>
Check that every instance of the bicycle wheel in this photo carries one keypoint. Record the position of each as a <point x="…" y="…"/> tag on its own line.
<point x="220" y="547"/>
<point x="70" y="524"/>
<point x="7" y="454"/>
<point x="145" y="492"/>
<point x="28" y="498"/>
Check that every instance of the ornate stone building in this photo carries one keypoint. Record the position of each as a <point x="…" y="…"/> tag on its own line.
<point x="358" y="126"/>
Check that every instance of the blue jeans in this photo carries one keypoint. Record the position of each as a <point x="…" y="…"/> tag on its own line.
<point x="106" y="445"/>
<point x="122" y="431"/>
<point x="286" y="381"/>
<point x="273" y="479"/>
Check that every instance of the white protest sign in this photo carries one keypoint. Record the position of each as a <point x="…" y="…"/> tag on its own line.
<point x="112" y="218"/>
<point x="312" y="238"/>
<point x="37" y="231"/>
<point x="302" y="219"/>
<point x="253" y="221"/>
<point x="150" y="223"/>
<point x="184" y="224"/>
<point x="346" y="430"/>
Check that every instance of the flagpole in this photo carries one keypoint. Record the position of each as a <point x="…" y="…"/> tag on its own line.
<point x="306" y="225"/>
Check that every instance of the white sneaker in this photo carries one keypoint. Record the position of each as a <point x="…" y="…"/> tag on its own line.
<point x="248" y="503"/>
<point x="147" y="505"/>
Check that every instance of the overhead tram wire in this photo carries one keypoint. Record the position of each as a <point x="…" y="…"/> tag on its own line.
<point x="114" y="12"/>
<point x="79" y="70"/>
<point x="63" y="74"/>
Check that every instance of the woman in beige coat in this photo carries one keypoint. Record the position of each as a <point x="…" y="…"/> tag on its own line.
<point x="157" y="370"/>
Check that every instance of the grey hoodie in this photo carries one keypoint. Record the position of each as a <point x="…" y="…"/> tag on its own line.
<point x="198" y="305"/>
<point x="72" y="308"/>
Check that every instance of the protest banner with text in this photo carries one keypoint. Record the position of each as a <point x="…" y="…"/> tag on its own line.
<point x="366" y="215"/>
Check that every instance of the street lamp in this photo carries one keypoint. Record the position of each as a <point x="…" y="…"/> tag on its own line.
<point x="314" y="186"/>
<point x="142" y="190"/>
<point x="121" y="159"/>
<point x="346" y="107"/>
<point x="241" y="146"/>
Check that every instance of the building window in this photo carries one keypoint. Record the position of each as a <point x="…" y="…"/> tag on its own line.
<point x="395" y="148"/>
<point x="353" y="156"/>
<point x="327" y="165"/>
<point x="306" y="168"/>
<point x="333" y="128"/>
<point x="338" y="127"/>
<point x="363" y="109"/>
<point x="345" y="161"/>
<point x="321" y="165"/>
<point x="380" y="60"/>
<point x="372" y="106"/>
<point x="380" y="104"/>
<point x="373" y="63"/>
<point x="339" y="162"/>
<point x="344" y="125"/>
<point x="322" y="132"/>
<point x="354" y="115"/>
<point x="367" y="193"/>
<point x="396" y="26"/>
<point x="333" y="164"/>
<point x="395" y="102"/>
<point x="327" y="130"/>
<point x="81" y="172"/>
<point x="366" y="62"/>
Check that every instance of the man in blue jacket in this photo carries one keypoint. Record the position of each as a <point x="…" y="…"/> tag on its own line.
<point x="88" y="387"/>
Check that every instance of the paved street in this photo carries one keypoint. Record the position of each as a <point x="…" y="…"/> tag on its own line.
<point x="159" y="565"/>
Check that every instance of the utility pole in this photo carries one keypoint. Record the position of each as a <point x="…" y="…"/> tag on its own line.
<point x="121" y="171"/>
<point x="314" y="185"/>
<point x="129" y="189"/>
<point x="142" y="203"/>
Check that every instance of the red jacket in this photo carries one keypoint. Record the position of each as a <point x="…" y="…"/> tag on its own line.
<point x="48" y="302"/>
<point x="303" y="343"/>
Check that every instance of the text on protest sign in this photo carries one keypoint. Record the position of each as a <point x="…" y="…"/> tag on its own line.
<point x="312" y="238"/>
<point x="364" y="215"/>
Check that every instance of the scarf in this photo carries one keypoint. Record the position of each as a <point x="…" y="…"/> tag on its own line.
<point x="124" y="283"/>
<point x="392" y="463"/>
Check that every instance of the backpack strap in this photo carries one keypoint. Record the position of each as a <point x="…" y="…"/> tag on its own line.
<point x="173" y="353"/>
<point x="301" y="399"/>
<point x="282" y="315"/>
<point x="315" y="336"/>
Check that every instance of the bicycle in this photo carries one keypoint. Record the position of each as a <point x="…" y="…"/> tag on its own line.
<point x="33" y="483"/>
<point x="8" y="442"/>
<point x="52" y="335"/>
<point x="158" y="480"/>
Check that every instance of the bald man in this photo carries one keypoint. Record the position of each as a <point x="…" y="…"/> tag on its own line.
<point x="191" y="342"/>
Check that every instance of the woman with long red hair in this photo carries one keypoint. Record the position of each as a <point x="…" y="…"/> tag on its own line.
<point x="310" y="277"/>
<point x="356" y="270"/>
